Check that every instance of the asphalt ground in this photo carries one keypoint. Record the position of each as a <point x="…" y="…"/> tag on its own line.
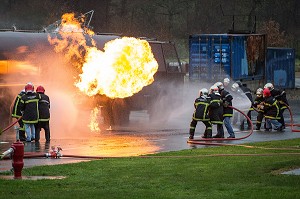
<point x="139" y="139"/>
<point x="135" y="140"/>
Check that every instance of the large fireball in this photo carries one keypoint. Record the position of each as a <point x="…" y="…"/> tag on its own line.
<point x="124" y="67"/>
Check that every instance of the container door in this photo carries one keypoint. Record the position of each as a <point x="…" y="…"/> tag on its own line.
<point x="280" y="68"/>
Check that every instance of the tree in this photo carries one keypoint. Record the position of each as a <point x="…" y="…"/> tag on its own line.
<point x="275" y="37"/>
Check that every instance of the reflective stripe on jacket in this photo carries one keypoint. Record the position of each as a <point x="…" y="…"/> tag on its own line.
<point x="44" y="106"/>
<point x="29" y="106"/>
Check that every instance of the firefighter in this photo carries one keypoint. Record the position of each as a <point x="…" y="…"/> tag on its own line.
<point x="258" y="104"/>
<point x="238" y="95"/>
<point x="216" y="111"/>
<point x="16" y="113"/>
<point x="226" y="83"/>
<point x="280" y="96"/>
<point x="201" y="114"/>
<point x="247" y="92"/>
<point x="271" y="109"/>
<point x="44" y="114"/>
<point x="227" y="112"/>
<point x="29" y="109"/>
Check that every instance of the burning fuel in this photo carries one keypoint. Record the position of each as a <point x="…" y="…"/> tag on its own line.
<point x="124" y="67"/>
<point x="94" y="118"/>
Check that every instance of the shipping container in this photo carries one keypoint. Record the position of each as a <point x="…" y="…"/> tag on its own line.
<point x="213" y="57"/>
<point x="280" y="68"/>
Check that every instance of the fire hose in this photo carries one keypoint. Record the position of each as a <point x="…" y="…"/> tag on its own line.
<point x="292" y="125"/>
<point x="203" y="141"/>
<point x="9" y="126"/>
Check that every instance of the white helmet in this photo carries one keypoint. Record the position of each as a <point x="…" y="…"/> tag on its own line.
<point x="219" y="85"/>
<point x="234" y="86"/>
<point x="203" y="92"/>
<point x="269" y="86"/>
<point x="214" y="89"/>
<point x="226" y="81"/>
<point x="259" y="91"/>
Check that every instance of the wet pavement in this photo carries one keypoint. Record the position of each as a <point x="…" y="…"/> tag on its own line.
<point x="136" y="139"/>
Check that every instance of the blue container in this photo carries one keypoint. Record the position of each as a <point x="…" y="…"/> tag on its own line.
<point x="280" y="69"/>
<point x="215" y="56"/>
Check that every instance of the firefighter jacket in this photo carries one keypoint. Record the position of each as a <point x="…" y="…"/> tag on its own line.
<point x="44" y="106"/>
<point x="280" y="96"/>
<point x="257" y="102"/>
<point x="227" y="101"/>
<point x="29" y="107"/>
<point x="271" y="108"/>
<point x="201" y="108"/>
<point x="16" y="111"/>
<point x="215" y="109"/>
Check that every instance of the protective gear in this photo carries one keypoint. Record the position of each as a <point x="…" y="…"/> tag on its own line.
<point x="259" y="92"/>
<point x="266" y="92"/>
<point x="239" y="83"/>
<point x="225" y="104"/>
<point x="219" y="85"/>
<point x="226" y="81"/>
<point x="234" y="86"/>
<point x="269" y="86"/>
<point x="30" y="83"/>
<point x="40" y="89"/>
<point x="29" y="88"/>
<point x="203" y="92"/>
<point x="201" y="105"/>
<point x="214" y="89"/>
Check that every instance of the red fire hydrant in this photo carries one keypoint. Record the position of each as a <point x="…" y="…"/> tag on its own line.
<point x="17" y="159"/>
<point x="16" y="151"/>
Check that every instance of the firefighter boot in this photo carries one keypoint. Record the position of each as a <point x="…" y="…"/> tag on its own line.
<point x="242" y="125"/>
<point x="192" y="132"/>
<point x="209" y="133"/>
<point x="258" y="125"/>
<point x="220" y="131"/>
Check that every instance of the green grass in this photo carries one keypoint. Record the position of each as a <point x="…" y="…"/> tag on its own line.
<point x="254" y="172"/>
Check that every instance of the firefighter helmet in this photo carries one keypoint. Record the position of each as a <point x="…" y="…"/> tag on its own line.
<point x="40" y="89"/>
<point x="22" y="91"/>
<point x="203" y="92"/>
<point x="259" y="92"/>
<point x="219" y="85"/>
<point x="269" y="86"/>
<point x="214" y="89"/>
<point x="226" y="81"/>
<point x="266" y="92"/>
<point x="239" y="83"/>
<point x="234" y="86"/>
<point x="29" y="88"/>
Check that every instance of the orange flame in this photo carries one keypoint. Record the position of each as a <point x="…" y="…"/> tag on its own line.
<point x="93" y="125"/>
<point x="124" y="67"/>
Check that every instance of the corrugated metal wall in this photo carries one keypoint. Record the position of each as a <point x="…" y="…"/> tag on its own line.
<point x="280" y="69"/>
<point x="215" y="56"/>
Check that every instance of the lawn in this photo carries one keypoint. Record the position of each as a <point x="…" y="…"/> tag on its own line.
<point x="213" y="172"/>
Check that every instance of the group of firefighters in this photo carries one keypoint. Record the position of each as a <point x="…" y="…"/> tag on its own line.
<point x="34" y="108"/>
<point x="214" y="107"/>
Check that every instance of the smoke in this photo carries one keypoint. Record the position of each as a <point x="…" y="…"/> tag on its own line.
<point x="174" y="109"/>
<point x="68" y="119"/>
